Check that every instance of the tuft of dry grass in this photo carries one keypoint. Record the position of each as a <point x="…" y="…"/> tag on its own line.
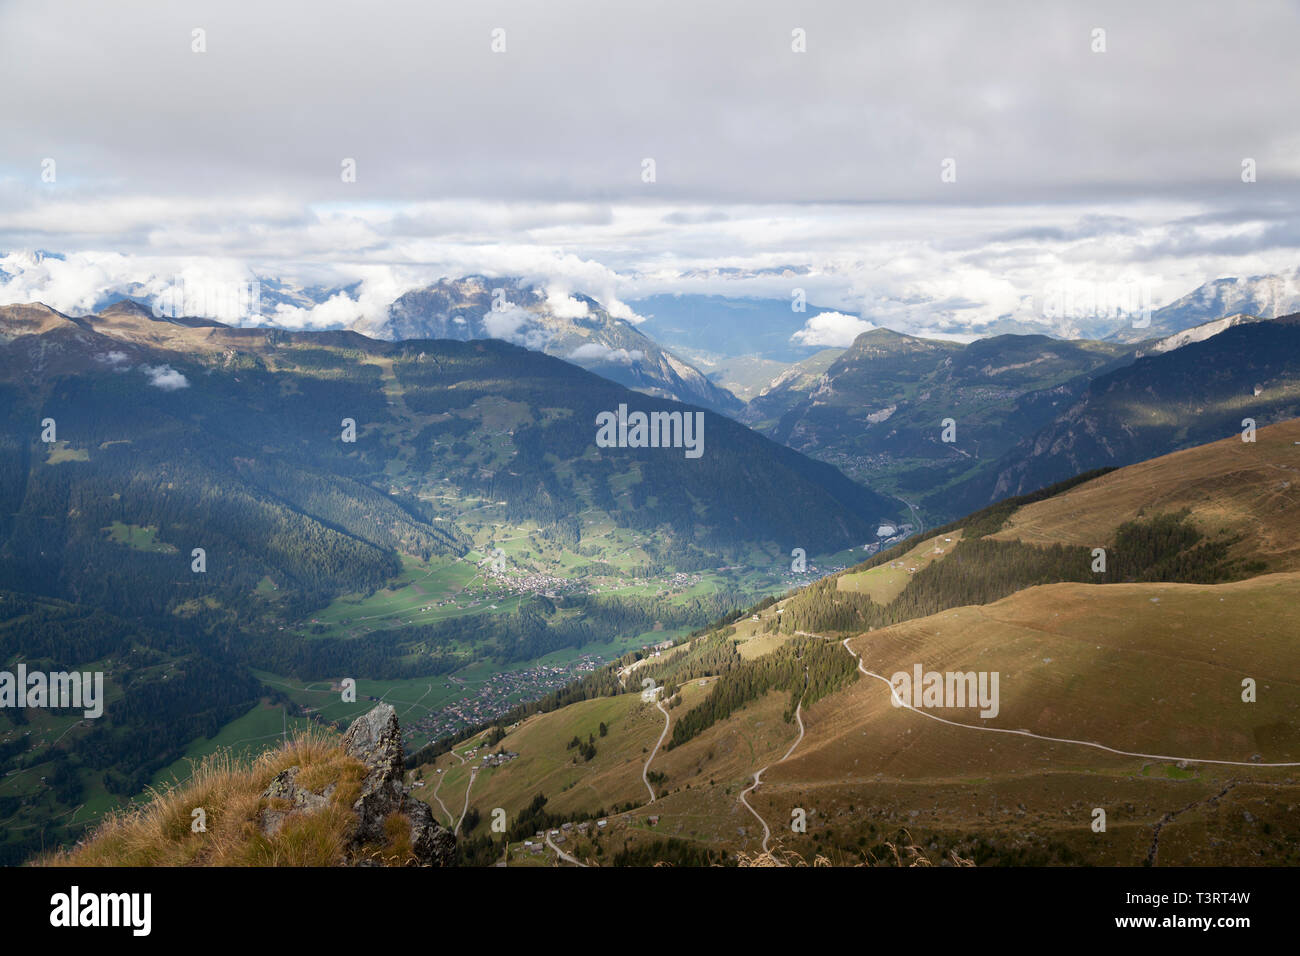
<point x="161" y="831"/>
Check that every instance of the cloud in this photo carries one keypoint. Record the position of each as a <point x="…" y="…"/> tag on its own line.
<point x="727" y="115"/>
<point x="595" y="352"/>
<point x="911" y="268"/>
<point x="165" y="377"/>
<point x="516" y="324"/>
<point x="1102" y="160"/>
<point x="831" y="330"/>
<point x="563" y="305"/>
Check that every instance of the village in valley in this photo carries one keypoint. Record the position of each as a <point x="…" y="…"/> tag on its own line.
<point x="497" y="694"/>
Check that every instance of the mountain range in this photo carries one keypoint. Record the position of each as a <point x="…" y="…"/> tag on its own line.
<point x="1266" y="296"/>
<point x="181" y="499"/>
<point x="578" y="330"/>
<point x="1026" y="410"/>
<point x="1117" y="731"/>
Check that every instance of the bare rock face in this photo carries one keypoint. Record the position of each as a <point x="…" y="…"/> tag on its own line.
<point x="376" y="740"/>
<point x="285" y="787"/>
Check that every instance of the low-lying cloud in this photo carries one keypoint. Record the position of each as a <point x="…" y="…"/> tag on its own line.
<point x="165" y="377"/>
<point x="516" y="324"/>
<point x="595" y="352"/>
<point x="831" y="330"/>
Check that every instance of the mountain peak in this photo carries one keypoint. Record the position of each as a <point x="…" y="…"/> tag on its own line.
<point x="127" y="307"/>
<point x="881" y="334"/>
<point x="883" y="341"/>
<point x="31" y="318"/>
<point x="578" y="330"/>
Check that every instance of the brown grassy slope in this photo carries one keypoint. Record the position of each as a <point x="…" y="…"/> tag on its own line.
<point x="548" y="766"/>
<point x="1246" y="488"/>
<point x="1153" y="668"/>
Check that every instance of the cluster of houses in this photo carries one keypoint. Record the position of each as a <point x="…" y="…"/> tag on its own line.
<point x="558" y="835"/>
<point x="533" y="582"/>
<point x="499" y="693"/>
<point x="497" y="759"/>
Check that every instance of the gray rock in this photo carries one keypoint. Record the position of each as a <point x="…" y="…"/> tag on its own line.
<point x="433" y="844"/>
<point x="376" y="740"/>
<point x="301" y="800"/>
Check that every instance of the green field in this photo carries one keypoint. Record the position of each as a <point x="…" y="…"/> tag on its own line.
<point x="412" y="598"/>
<point x="885" y="582"/>
<point x="44" y="730"/>
<point x="59" y="451"/>
<point x="141" y="538"/>
<point x="445" y="588"/>
<point x="260" y="728"/>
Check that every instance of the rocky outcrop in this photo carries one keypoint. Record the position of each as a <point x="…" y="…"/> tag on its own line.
<point x="376" y="741"/>
<point x="299" y="799"/>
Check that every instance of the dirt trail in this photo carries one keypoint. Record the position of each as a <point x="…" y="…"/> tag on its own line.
<point x="758" y="777"/>
<point x="450" y="817"/>
<point x="1055" y="740"/>
<point x="473" y="772"/>
<point x="645" y="771"/>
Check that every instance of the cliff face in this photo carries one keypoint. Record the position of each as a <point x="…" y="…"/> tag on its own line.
<point x="391" y="825"/>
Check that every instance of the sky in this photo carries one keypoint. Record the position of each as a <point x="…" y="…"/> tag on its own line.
<point x="927" y="166"/>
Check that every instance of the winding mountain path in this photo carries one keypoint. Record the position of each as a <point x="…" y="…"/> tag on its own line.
<point x="451" y="819"/>
<point x="798" y="716"/>
<point x="473" y="772"/>
<point x="898" y="701"/>
<point x="758" y="777"/>
<point x="645" y="771"/>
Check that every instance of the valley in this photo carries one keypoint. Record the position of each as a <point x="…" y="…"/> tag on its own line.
<point x="428" y="519"/>
<point x="465" y="554"/>
<point x="1125" y="698"/>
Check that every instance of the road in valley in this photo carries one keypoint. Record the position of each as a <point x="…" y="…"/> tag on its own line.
<point x="916" y="516"/>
